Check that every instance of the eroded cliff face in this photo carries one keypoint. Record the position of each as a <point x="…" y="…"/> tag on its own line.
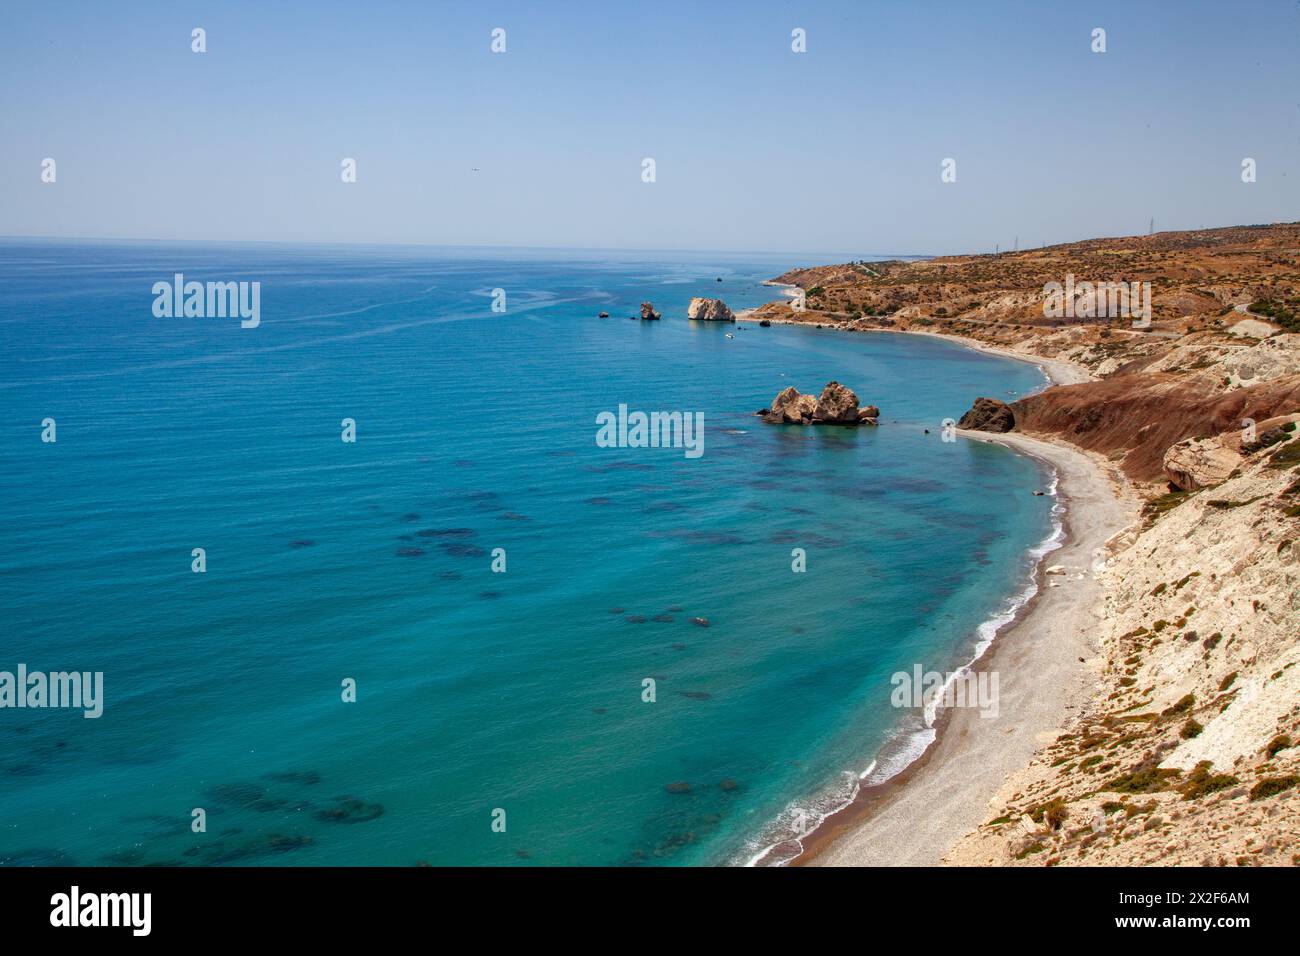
<point x="1189" y="752"/>
<point x="1136" y="418"/>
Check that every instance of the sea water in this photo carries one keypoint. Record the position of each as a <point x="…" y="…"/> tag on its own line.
<point x="434" y="642"/>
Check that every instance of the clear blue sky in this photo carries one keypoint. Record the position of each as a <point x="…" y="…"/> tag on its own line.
<point x="757" y="148"/>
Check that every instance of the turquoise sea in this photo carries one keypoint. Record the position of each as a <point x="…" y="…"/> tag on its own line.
<point x="476" y="691"/>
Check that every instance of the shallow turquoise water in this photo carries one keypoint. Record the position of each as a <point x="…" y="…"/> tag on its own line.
<point x="476" y="690"/>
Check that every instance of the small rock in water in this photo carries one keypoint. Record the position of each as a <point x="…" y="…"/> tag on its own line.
<point x="302" y="543"/>
<point x="617" y="610"/>
<point x="664" y="618"/>
<point x="728" y="785"/>
<point x="603" y="315"/>
<point x="636" y="618"/>
<point x="679" y="787"/>
<point x="700" y="621"/>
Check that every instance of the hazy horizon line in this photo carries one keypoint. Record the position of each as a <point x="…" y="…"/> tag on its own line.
<point x="849" y="256"/>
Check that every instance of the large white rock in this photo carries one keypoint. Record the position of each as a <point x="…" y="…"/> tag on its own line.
<point x="1202" y="462"/>
<point x="710" y="310"/>
<point x="1252" y="329"/>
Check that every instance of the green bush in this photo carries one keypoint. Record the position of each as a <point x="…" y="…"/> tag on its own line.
<point x="1272" y="786"/>
<point x="1202" y="783"/>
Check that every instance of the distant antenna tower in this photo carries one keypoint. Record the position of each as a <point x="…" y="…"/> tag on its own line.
<point x="1016" y="247"/>
<point x="1151" y="229"/>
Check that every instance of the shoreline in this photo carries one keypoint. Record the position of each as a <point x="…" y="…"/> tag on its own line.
<point x="1044" y="658"/>
<point x="1046" y="663"/>
<point x="1058" y="371"/>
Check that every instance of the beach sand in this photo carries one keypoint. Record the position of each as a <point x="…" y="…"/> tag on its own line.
<point x="1045" y="662"/>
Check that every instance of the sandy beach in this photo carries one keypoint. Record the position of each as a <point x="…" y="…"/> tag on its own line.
<point x="1045" y="662"/>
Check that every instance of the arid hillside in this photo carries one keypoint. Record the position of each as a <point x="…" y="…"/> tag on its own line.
<point x="1222" y="343"/>
<point x="1189" y="750"/>
<point x="1197" y="279"/>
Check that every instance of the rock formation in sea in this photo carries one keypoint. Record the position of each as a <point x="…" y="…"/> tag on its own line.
<point x="648" y="311"/>
<point x="709" y="310"/>
<point x="837" y="405"/>
<point x="988" y="415"/>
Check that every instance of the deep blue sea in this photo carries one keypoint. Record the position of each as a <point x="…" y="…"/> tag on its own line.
<point x="476" y="691"/>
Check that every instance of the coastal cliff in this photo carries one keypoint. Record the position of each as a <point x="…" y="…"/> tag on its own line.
<point x="1186" y="751"/>
<point x="1189" y="751"/>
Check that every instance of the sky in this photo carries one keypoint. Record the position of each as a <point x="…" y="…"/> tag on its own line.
<point x="756" y="147"/>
